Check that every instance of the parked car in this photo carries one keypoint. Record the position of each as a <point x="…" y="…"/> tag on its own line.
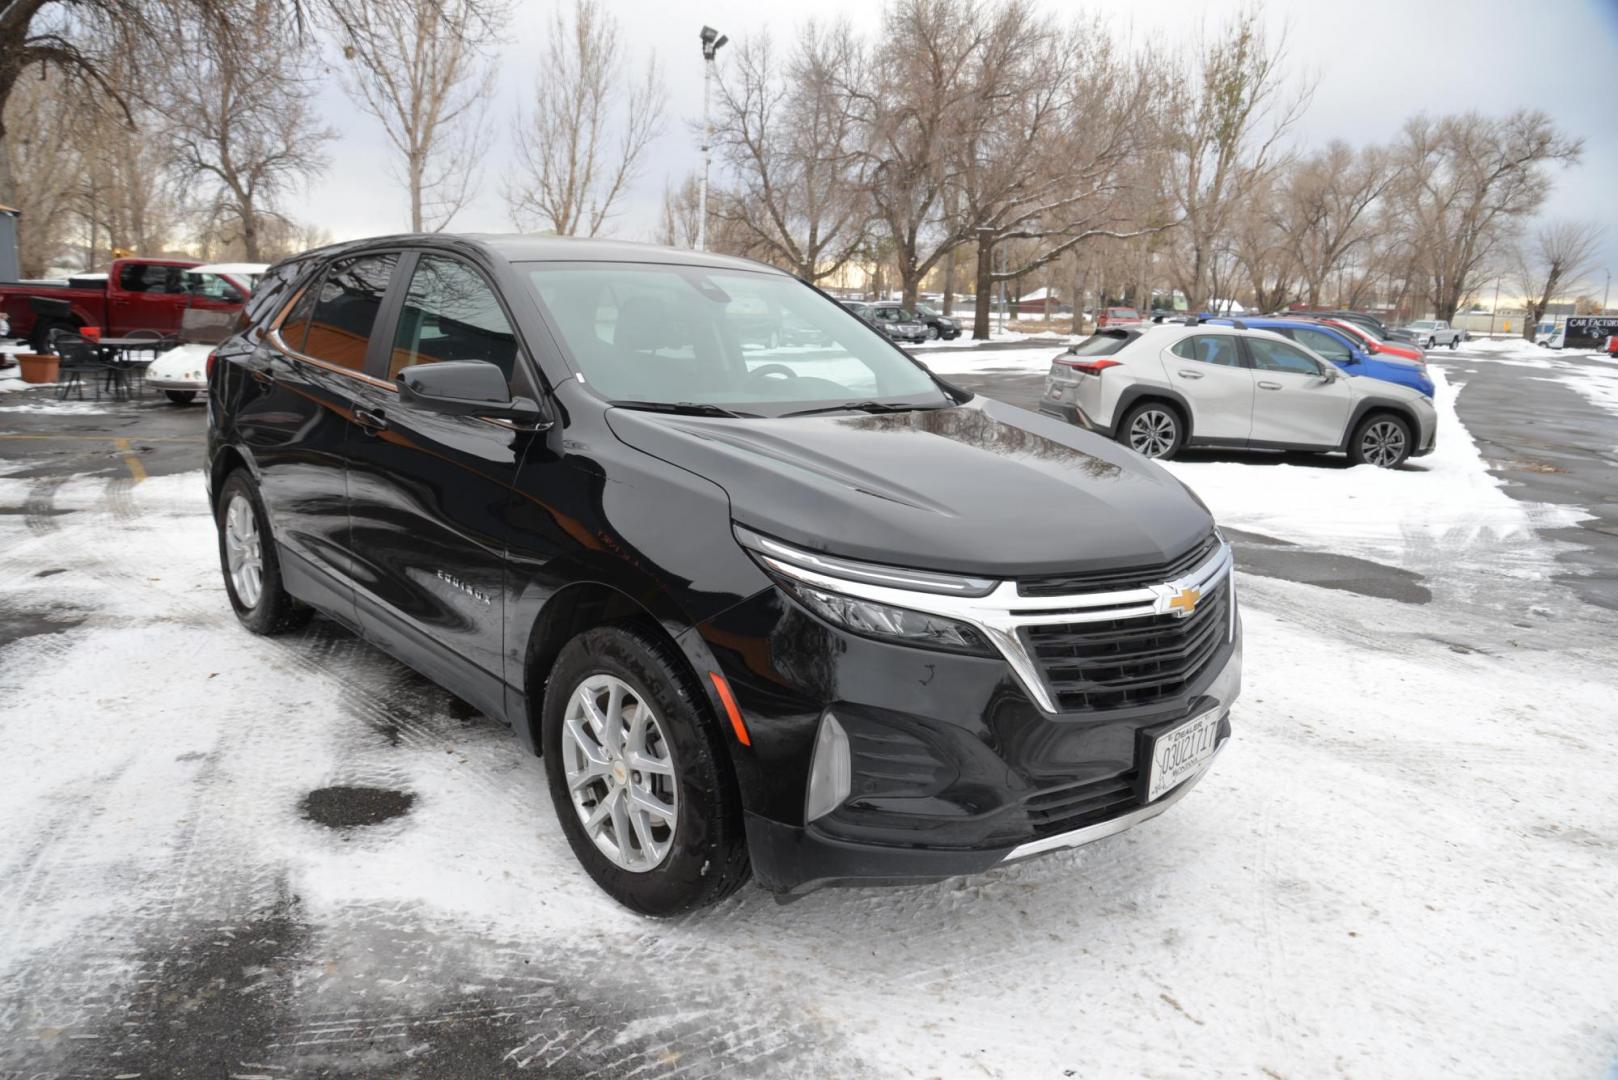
<point x="1373" y="345"/>
<point x="1162" y="388"/>
<point x="938" y="324"/>
<point x="1118" y="316"/>
<point x="1429" y="333"/>
<point x="898" y="322"/>
<point x="136" y="294"/>
<point x="824" y="618"/>
<point x="1347" y="352"/>
<point x="215" y="295"/>
<point x="1366" y="321"/>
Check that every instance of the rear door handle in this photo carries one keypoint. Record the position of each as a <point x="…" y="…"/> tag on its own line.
<point x="1190" y="374"/>
<point x="1269" y="386"/>
<point x="370" y="421"/>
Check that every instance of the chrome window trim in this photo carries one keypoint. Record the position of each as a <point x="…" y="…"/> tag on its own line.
<point x="1001" y="612"/>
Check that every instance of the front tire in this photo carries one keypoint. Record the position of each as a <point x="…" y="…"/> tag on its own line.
<point x="638" y="774"/>
<point x="1153" y="429"/>
<point x="1380" y="439"/>
<point x="250" y="563"/>
<point x="181" y="397"/>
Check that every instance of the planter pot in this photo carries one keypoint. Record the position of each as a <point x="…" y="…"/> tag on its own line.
<point x="38" y="368"/>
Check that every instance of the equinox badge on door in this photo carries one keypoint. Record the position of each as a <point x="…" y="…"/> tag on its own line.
<point x="456" y="582"/>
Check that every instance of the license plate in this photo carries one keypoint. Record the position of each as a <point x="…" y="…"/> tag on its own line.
<point x="1180" y="752"/>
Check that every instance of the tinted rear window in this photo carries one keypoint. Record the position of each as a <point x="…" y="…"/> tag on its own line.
<point x="1102" y="344"/>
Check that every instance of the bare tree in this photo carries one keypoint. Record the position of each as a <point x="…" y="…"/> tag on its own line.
<point x="419" y="67"/>
<point x="916" y="95"/>
<point x="239" y="119"/>
<point x="1467" y="182"/>
<point x="1046" y="150"/>
<point x="1561" y="253"/>
<point x="681" y="207"/>
<point x="583" y="144"/>
<point x="1326" y="208"/>
<point x="1265" y="250"/>
<point x="791" y="144"/>
<point x="44" y="160"/>
<point x="1227" y="111"/>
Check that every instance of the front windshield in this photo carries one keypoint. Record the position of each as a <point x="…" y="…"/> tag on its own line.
<point x="757" y="343"/>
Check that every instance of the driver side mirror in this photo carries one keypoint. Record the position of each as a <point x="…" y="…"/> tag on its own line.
<point x="468" y="388"/>
<point x="1329" y="373"/>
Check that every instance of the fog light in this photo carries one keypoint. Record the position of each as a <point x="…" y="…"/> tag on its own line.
<point x="830" y="772"/>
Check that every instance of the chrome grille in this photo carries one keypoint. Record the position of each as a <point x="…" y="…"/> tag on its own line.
<point x="1120" y="663"/>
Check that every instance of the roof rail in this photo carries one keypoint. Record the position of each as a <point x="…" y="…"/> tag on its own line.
<point x="1237" y="324"/>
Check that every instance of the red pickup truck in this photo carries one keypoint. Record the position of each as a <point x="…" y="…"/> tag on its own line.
<point x="134" y="294"/>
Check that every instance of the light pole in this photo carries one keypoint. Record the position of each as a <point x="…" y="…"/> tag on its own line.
<point x="1606" y="292"/>
<point x="712" y="40"/>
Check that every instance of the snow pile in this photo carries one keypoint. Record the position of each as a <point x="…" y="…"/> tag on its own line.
<point x="1435" y="512"/>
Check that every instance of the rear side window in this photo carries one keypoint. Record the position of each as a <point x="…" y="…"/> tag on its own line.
<point x="345" y="308"/>
<point x="1217" y="349"/>
<point x="450" y="313"/>
<point x="269" y="293"/>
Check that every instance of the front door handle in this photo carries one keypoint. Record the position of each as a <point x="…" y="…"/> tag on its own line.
<point x="1269" y="386"/>
<point x="371" y="421"/>
<point x="1190" y="374"/>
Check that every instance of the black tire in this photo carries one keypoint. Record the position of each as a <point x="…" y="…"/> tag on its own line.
<point x="274" y="611"/>
<point x="1455" y="343"/>
<point x="1431" y="342"/>
<point x="1374" y="439"/>
<point x="181" y="397"/>
<point x="707" y="858"/>
<point x="1163" y="430"/>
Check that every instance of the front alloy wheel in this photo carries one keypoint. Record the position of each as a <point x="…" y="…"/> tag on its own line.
<point x="639" y="774"/>
<point x="1383" y="441"/>
<point x="620" y="773"/>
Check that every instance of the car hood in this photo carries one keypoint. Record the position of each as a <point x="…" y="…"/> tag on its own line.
<point x="983" y="488"/>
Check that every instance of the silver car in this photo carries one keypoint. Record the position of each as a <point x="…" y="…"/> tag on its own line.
<point x="1161" y="388"/>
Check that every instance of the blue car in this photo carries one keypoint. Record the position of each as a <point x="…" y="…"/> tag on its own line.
<point x="1345" y="352"/>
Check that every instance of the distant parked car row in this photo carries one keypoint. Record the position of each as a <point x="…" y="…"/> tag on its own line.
<point x="1272" y="384"/>
<point x="902" y="324"/>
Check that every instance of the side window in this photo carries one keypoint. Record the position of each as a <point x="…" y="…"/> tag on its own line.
<point x="345" y="309"/>
<point x="1217" y="349"/>
<point x="150" y="278"/>
<point x="450" y="313"/>
<point x="1279" y="356"/>
<point x="1319" y="341"/>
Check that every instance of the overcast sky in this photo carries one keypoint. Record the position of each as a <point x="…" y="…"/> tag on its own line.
<point x="1376" y="62"/>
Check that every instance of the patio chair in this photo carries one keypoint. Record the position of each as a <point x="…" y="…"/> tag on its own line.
<point x="78" y="362"/>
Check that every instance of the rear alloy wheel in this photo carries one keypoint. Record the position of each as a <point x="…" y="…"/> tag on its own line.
<point x="1152" y="430"/>
<point x="1382" y="440"/>
<point x="638" y="774"/>
<point x="1455" y="343"/>
<point x="251" y="565"/>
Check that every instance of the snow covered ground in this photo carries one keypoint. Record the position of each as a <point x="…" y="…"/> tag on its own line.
<point x="1406" y="863"/>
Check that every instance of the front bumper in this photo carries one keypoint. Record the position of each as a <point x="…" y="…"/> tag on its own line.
<point x="796" y="861"/>
<point x="954" y="768"/>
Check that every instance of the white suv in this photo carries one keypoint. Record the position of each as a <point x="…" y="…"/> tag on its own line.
<point x="1160" y="388"/>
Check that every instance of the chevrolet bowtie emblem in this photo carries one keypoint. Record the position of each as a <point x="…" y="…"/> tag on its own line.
<point x="1184" y="601"/>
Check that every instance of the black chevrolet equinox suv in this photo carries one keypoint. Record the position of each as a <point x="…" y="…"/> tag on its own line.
<point x="805" y="612"/>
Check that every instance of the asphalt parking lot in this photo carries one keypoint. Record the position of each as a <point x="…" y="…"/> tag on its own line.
<point x="230" y="856"/>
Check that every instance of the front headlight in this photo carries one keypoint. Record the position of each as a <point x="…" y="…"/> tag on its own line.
<point x="870" y="619"/>
<point x="813" y="580"/>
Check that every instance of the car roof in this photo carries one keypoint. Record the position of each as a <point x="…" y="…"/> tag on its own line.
<point x="229" y="268"/>
<point x="532" y="247"/>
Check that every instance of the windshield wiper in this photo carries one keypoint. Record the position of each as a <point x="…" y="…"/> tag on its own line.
<point x="682" y="408"/>
<point x="864" y="406"/>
